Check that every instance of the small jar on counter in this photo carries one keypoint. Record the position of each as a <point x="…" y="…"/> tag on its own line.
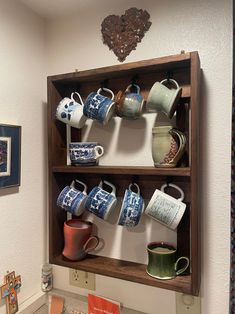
<point x="47" y="277"/>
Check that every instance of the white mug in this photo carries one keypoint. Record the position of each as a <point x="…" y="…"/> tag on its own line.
<point x="166" y="209"/>
<point x="70" y="111"/>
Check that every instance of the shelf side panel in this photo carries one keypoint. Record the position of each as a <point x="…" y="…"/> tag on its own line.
<point x="195" y="206"/>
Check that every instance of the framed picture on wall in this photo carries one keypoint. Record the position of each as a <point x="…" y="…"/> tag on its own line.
<point x="10" y="153"/>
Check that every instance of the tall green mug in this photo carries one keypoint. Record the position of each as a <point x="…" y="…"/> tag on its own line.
<point x="163" y="262"/>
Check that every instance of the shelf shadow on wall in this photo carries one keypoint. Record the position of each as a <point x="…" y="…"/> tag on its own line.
<point x="101" y="133"/>
<point x="132" y="135"/>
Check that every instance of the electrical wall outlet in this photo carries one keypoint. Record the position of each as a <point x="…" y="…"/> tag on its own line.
<point x="82" y="279"/>
<point x="187" y="304"/>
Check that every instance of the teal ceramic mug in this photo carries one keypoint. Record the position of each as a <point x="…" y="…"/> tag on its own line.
<point x="163" y="261"/>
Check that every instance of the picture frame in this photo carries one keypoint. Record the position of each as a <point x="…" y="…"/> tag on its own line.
<point x="10" y="155"/>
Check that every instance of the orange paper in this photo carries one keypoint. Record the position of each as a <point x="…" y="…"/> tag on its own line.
<point x="99" y="305"/>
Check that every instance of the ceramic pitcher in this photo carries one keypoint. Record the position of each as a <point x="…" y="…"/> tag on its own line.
<point x="168" y="146"/>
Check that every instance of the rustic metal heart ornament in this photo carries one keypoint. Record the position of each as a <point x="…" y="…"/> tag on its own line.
<point x="122" y="33"/>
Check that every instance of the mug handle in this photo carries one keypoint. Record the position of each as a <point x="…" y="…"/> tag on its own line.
<point x="83" y="184"/>
<point x="182" y="140"/>
<point x="79" y="96"/>
<point x="72" y="185"/>
<point x="87" y="248"/>
<point x="181" y="137"/>
<point x="106" y="90"/>
<point x="175" y="187"/>
<point x="129" y="87"/>
<point x="181" y="270"/>
<point x="99" y="151"/>
<point x="136" y="185"/>
<point x="170" y="80"/>
<point x="112" y="186"/>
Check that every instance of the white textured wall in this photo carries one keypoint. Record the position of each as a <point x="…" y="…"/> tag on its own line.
<point x="22" y="102"/>
<point x="206" y="26"/>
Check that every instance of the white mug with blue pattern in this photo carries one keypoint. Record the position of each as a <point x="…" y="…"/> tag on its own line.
<point x="70" y="111"/>
<point x="132" y="207"/>
<point x="72" y="199"/>
<point x="99" y="107"/>
<point x="101" y="202"/>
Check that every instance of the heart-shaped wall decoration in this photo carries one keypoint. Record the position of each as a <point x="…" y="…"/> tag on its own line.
<point x="122" y="33"/>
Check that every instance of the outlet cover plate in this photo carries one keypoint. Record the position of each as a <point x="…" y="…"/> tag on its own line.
<point x="187" y="304"/>
<point x="82" y="279"/>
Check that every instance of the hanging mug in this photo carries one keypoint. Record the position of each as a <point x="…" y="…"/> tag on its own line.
<point x="70" y="111"/>
<point x="100" y="201"/>
<point x="99" y="107"/>
<point x="166" y="209"/>
<point x="168" y="146"/>
<point x="163" y="99"/>
<point x="129" y="104"/>
<point x="132" y="207"/>
<point x="72" y="199"/>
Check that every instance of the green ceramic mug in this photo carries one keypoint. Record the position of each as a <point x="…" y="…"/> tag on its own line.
<point x="162" y="261"/>
<point x="161" y="98"/>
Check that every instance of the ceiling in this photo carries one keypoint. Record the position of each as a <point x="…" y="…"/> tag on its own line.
<point x="54" y="8"/>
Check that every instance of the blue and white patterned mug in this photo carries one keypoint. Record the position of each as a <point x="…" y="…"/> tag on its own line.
<point x="70" y="111"/>
<point x="129" y="104"/>
<point x="73" y="200"/>
<point x="99" y="107"/>
<point x="101" y="202"/>
<point x="132" y="207"/>
<point x="85" y="153"/>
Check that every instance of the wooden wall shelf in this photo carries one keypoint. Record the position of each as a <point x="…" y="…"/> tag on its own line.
<point x="125" y="270"/>
<point x="186" y="70"/>
<point x="151" y="171"/>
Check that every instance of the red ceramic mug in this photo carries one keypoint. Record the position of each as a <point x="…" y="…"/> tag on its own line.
<point x="78" y="240"/>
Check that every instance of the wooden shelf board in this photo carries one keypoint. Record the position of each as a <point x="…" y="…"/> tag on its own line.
<point x="156" y="64"/>
<point x="124" y="170"/>
<point x="125" y="270"/>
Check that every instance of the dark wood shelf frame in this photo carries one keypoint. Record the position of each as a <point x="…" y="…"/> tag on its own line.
<point x="186" y="70"/>
<point x="151" y="171"/>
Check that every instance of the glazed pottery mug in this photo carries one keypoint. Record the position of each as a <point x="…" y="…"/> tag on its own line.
<point x="168" y="146"/>
<point x="132" y="207"/>
<point x="70" y="111"/>
<point x="85" y="153"/>
<point x="101" y="202"/>
<point x="163" y="262"/>
<point x="129" y="104"/>
<point x="78" y="240"/>
<point x="99" y="107"/>
<point x="166" y="209"/>
<point x="163" y="99"/>
<point x="72" y="199"/>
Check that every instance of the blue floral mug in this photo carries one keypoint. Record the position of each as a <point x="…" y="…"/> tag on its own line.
<point x="101" y="202"/>
<point x="132" y="207"/>
<point x="99" y="107"/>
<point x="73" y="200"/>
<point x="85" y="153"/>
